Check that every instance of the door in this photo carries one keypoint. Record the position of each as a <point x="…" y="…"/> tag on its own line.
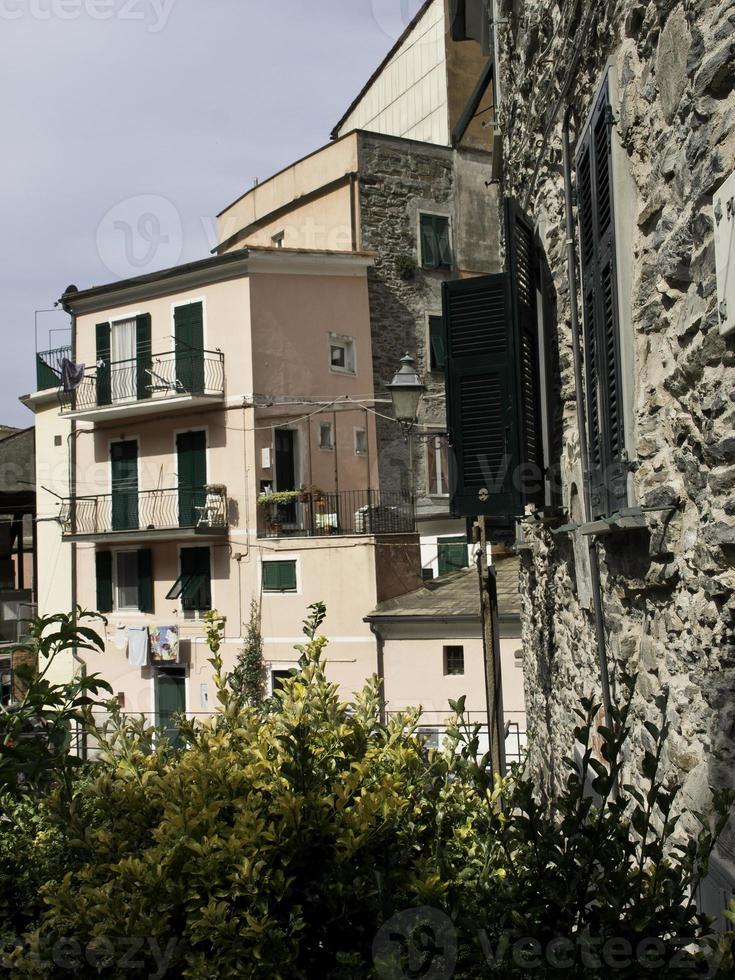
<point x="189" y="339"/>
<point x="286" y="471"/>
<point x="124" y="464"/>
<point x="170" y="701"/>
<point x="124" y="366"/>
<point x="191" y="449"/>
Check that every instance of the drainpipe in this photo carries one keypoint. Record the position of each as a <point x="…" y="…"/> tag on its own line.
<point x="599" y="613"/>
<point x="380" y="669"/>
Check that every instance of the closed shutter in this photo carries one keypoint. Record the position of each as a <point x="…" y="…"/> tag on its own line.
<point x="104" y="374"/>
<point x="145" y="580"/>
<point x="189" y="340"/>
<point x="143" y="354"/>
<point x="191" y="450"/>
<point x="103" y="574"/>
<point x="452" y="554"/>
<point x="279" y="576"/>
<point x="195" y="562"/>
<point x="603" y="381"/>
<point x="436" y="250"/>
<point x="124" y="464"/>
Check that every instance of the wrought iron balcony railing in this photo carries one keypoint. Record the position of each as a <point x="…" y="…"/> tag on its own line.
<point x="149" y="377"/>
<point x="316" y="514"/>
<point x="48" y="367"/>
<point x="199" y="509"/>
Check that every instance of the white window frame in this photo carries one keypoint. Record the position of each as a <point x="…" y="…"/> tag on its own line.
<point x="115" y="582"/>
<point x="280" y="556"/>
<point x="360" y="429"/>
<point x="350" y="348"/>
<point x="273" y="668"/>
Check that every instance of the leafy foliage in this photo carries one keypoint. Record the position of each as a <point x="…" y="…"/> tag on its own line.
<point x="283" y="838"/>
<point x="247" y="680"/>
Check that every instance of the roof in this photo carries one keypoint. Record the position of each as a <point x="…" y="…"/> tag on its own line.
<point x="358" y="98"/>
<point x="456" y="596"/>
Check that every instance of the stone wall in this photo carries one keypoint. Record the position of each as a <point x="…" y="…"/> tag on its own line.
<point x="398" y="179"/>
<point x="668" y="589"/>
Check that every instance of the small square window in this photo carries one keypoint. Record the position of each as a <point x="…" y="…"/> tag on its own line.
<point x="436" y="252"/>
<point x="361" y="443"/>
<point x="278" y="677"/>
<point x="326" y="435"/>
<point x="453" y="661"/>
<point x="279" y="576"/>
<point x="126" y="572"/>
<point x="342" y="354"/>
<point x="278" y="239"/>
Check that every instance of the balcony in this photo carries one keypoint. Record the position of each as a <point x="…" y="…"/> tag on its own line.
<point x="146" y="385"/>
<point x="164" y="515"/>
<point x="48" y="367"/>
<point x="348" y="512"/>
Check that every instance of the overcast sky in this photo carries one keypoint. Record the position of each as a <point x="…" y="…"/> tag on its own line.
<point x="128" y="124"/>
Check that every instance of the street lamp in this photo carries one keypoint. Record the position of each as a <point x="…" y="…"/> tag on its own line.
<point x="406" y="390"/>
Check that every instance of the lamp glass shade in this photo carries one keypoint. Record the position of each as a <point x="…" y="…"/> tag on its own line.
<point x="406" y="390"/>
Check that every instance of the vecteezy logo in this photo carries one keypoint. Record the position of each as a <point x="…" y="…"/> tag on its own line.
<point x="419" y="944"/>
<point x="394" y="17"/>
<point x="140" y="234"/>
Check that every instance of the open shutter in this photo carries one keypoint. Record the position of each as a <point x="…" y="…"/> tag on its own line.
<point x="145" y="580"/>
<point x="104" y="374"/>
<point x="436" y="343"/>
<point x="608" y="470"/>
<point x="196" y="564"/>
<point x="103" y="572"/>
<point x="523" y="267"/>
<point x="481" y="395"/>
<point x="143" y="354"/>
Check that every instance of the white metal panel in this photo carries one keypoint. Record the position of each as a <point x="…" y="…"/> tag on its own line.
<point x="409" y="98"/>
<point x="724" y="209"/>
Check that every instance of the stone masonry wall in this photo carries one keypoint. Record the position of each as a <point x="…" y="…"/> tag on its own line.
<point x="398" y="179"/>
<point x="669" y="591"/>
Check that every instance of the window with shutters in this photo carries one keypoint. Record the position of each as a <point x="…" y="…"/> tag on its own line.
<point x="193" y="587"/>
<point x="436" y="246"/>
<point x="126" y="580"/>
<point x="437" y="356"/>
<point x="602" y="344"/>
<point x="280" y="575"/>
<point x="452" y="554"/>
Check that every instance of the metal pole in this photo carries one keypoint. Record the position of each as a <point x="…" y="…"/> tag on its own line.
<point x="493" y="673"/>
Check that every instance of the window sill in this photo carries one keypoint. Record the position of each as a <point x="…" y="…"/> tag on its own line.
<point x="336" y="370"/>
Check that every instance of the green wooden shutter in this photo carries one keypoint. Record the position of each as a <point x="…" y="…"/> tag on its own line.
<point x="103" y="573"/>
<point x="603" y="380"/>
<point x="143" y="354"/>
<point x="481" y="394"/>
<point x="436" y="343"/>
<point x="145" y="580"/>
<point x="441" y="226"/>
<point x="452" y="553"/>
<point x="196" y="562"/>
<point x="523" y="270"/>
<point x="279" y="576"/>
<point x="104" y="374"/>
<point x="170" y="702"/>
<point x="436" y="252"/>
<point x="189" y="340"/>
<point x="191" y="448"/>
<point x="124" y="465"/>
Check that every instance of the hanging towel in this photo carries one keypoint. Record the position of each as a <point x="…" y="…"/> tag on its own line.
<point x="72" y="375"/>
<point x="120" y="638"/>
<point x="138" y="646"/>
<point x="164" y="644"/>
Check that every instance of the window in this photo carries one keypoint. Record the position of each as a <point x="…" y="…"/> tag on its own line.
<point x="278" y="239"/>
<point x="342" y="354"/>
<point x="427" y="574"/>
<point x="437" y="355"/>
<point x="279" y="576"/>
<point x="452" y="554"/>
<point x="361" y="442"/>
<point x="436" y="251"/>
<point x="437" y="464"/>
<point x="430" y="736"/>
<point x="453" y="661"/>
<point x="193" y="587"/>
<point x="326" y="435"/>
<point x="603" y="379"/>
<point x="126" y="585"/>
<point x="278" y="676"/>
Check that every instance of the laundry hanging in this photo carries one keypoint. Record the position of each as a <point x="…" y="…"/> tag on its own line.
<point x="72" y="375"/>
<point x="165" y="646"/>
<point x="138" y="644"/>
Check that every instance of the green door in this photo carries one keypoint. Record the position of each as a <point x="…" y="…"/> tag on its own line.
<point x="124" y="462"/>
<point x="170" y="701"/>
<point x="191" y="449"/>
<point x="452" y="554"/>
<point x="189" y="336"/>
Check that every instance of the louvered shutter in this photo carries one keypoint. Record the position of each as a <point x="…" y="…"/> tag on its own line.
<point x="104" y="374"/>
<point x="523" y="270"/>
<point x="103" y="574"/>
<point x="481" y="396"/>
<point x="143" y="355"/>
<point x="145" y="580"/>
<point x="603" y="381"/>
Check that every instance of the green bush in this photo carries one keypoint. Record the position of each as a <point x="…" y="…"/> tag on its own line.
<point x="306" y="839"/>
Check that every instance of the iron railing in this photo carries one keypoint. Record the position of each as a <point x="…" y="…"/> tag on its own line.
<point x="315" y="514"/>
<point x="149" y="377"/>
<point x="201" y="509"/>
<point x="48" y="367"/>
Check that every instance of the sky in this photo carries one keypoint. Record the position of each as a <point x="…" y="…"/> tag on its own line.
<point x="127" y="125"/>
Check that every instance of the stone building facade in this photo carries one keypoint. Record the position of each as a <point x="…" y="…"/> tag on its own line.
<point x="668" y="561"/>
